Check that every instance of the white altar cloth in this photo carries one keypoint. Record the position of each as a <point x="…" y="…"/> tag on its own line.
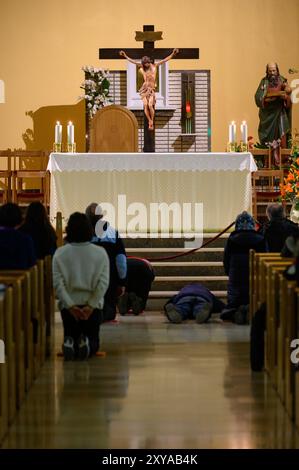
<point x="221" y="181"/>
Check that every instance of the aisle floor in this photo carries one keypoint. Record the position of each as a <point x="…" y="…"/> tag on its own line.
<point x="159" y="386"/>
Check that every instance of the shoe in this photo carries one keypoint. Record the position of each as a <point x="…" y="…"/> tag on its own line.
<point x="172" y="314"/>
<point x="204" y="313"/>
<point x="123" y="303"/>
<point x="83" y="348"/>
<point x="241" y="315"/>
<point x="68" y="349"/>
<point x="136" y="303"/>
<point x="227" y="314"/>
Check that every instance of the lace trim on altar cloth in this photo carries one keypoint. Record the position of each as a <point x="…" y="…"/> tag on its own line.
<point x="151" y="162"/>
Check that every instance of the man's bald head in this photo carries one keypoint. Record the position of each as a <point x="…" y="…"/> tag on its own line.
<point x="272" y="69"/>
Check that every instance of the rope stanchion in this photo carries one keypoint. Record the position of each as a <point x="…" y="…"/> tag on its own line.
<point x="193" y="250"/>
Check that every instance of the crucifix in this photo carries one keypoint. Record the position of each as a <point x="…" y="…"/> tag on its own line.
<point x="148" y="36"/>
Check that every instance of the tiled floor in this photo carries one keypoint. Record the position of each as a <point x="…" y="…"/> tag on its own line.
<point x="159" y="386"/>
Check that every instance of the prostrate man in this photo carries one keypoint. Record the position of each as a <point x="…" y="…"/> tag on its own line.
<point x="274" y="100"/>
<point x="192" y="301"/>
<point x="147" y="91"/>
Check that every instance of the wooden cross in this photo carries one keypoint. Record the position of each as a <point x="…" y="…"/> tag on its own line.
<point x="148" y="36"/>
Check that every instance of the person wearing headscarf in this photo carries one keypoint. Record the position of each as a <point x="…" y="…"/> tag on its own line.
<point x="236" y="262"/>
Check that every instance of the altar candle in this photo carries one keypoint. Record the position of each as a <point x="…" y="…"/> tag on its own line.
<point x="232" y="132"/>
<point x="58" y="133"/>
<point x="70" y="133"/>
<point x="244" y="132"/>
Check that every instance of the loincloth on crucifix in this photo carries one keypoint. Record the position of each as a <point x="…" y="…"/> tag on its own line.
<point x="147" y="92"/>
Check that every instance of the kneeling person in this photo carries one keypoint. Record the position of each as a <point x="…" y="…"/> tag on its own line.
<point x="139" y="281"/>
<point x="81" y="278"/>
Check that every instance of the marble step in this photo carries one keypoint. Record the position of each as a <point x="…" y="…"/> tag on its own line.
<point x="190" y="278"/>
<point x="185" y="268"/>
<point x="177" y="282"/>
<point x="146" y="242"/>
<point x="204" y="254"/>
<point x="162" y="294"/>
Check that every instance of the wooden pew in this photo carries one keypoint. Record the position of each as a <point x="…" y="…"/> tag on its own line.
<point x="281" y="329"/>
<point x="3" y="369"/>
<point x="34" y="304"/>
<point x="278" y="325"/>
<point x="281" y="296"/>
<point x="26" y="325"/>
<point x="269" y="294"/>
<point x="259" y="275"/>
<point x="41" y="308"/>
<point x="19" y="313"/>
<point x="9" y="393"/>
<point x="290" y="334"/>
<point x="254" y="278"/>
<point x="49" y="305"/>
<point x="272" y="321"/>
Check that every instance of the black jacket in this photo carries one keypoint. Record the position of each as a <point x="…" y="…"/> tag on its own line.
<point x="276" y="232"/>
<point x="236" y="263"/>
<point x="16" y="249"/>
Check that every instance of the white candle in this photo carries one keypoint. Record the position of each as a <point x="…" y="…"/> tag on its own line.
<point x="244" y="132"/>
<point x="232" y="132"/>
<point x="58" y="133"/>
<point x="70" y="133"/>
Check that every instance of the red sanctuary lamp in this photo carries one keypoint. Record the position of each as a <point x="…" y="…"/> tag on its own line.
<point x="188" y="117"/>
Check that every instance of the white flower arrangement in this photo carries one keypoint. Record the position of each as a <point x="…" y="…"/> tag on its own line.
<point x="96" y="86"/>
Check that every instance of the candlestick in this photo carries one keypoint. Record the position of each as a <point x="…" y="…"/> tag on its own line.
<point x="244" y="132"/>
<point x="232" y="132"/>
<point x="58" y="133"/>
<point x="70" y="133"/>
<point x="71" y="148"/>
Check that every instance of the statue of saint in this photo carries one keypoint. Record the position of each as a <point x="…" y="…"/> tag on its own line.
<point x="273" y="97"/>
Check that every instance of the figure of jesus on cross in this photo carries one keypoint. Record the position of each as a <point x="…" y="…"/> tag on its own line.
<point x="149" y="69"/>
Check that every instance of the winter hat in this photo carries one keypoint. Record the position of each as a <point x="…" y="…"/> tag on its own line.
<point x="245" y="221"/>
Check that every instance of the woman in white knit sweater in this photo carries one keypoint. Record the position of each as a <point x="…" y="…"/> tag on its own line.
<point x="81" y="278"/>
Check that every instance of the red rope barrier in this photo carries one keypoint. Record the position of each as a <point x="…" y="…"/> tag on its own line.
<point x="185" y="253"/>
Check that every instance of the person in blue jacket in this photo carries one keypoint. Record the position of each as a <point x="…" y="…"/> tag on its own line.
<point x="108" y="238"/>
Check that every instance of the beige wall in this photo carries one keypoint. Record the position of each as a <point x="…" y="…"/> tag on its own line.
<point x="44" y="44"/>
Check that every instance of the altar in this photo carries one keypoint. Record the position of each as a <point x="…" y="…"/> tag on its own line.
<point x="221" y="182"/>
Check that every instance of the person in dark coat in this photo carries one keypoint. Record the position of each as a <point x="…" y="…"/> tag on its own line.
<point x="139" y="281"/>
<point x="236" y="262"/>
<point x="16" y="248"/>
<point x="278" y="228"/>
<point x="192" y="301"/>
<point x="108" y="238"/>
<point x="37" y="225"/>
